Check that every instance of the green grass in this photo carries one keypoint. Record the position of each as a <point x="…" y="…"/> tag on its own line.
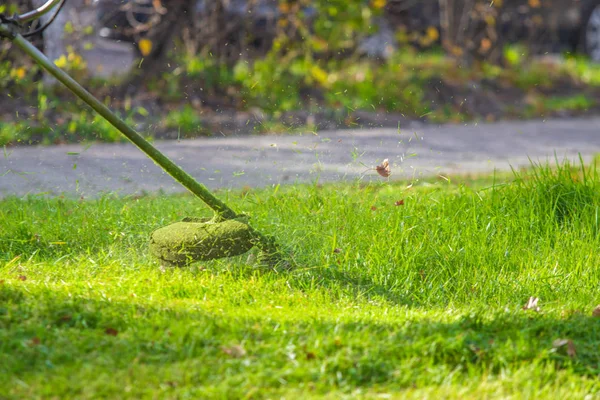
<point x="420" y="300"/>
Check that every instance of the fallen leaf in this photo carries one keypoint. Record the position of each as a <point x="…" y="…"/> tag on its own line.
<point x="571" y="350"/>
<point x="337" y="250"/>
<point x="310" y="355"/>
<point x="373" y="208"/>
<point x="532" y="304"/>
<point x="22" y="278"/>
<point x="565" y="343"/>
<point x="596" y="312"/>
<point x="111" y="331"/>
<point x="384" y="169"/>
<point x="399" y="203"/>
<point x="235" y="351"/>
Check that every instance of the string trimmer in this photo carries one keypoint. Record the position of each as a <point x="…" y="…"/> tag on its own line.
<point x="227" y="234"/>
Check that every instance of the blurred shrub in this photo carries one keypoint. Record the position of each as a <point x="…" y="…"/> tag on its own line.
<point x="185" y="120"/>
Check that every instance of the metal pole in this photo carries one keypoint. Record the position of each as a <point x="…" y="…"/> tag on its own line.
<point x="37" y="13"/>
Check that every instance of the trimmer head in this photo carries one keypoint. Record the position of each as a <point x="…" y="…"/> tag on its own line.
<point x="201" y="239"/>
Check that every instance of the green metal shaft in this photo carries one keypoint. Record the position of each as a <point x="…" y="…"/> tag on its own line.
<point x="163" y="161"/>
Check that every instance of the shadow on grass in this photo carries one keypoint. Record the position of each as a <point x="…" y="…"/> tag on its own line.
<point x="47" y="334"/>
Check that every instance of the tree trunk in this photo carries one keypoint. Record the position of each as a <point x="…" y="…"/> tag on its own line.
<point x="471" y="30"/>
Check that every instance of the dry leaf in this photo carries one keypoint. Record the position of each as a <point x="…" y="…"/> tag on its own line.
<point x="35" y="341"/>
<point x="596" y="312"/>
<point x="532" y="304"/>
<point x="111" y="331"/>
<point x="373" y="208"/>
<point x="66" y="318"/>
<point x="235" y="351"/>
<point x="571" y="350"/>
<point x="568" y="343"/>
<point x="22" y="278"/>
<point x="399" y="203"/>
<point x="384" y="169"/>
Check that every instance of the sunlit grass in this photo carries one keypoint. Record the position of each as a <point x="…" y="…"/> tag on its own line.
<point x="398" y="290"/>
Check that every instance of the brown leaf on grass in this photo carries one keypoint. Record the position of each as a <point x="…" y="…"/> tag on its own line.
<point x="373" y="208"/>
<point x="235" y="351"/>
<point x="310" y="355"/>
<point x="399" y="203"/>
<point x="571" y="350"/>
<point x="111" y="331"/>
<point x="532" y="304"/>
<point x="565" y="344"/>
<point x="337" y="250"/>
<point x="596" y="312"/>
<point x="384" y="169"/>
<point x="22" y="278"/>
<point x="35" y="341"/>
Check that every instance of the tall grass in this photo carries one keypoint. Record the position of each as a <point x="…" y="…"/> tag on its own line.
<point x="397" y="290"/>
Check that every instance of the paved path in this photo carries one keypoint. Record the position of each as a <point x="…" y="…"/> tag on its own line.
<point x="267" y="160"/>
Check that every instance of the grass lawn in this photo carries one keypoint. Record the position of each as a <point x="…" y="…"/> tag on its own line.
<point x="397" y="293"/>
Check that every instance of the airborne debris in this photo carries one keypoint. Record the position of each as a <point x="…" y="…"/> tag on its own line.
<point x="384" y="169"/>
<point x="532" y="304"/>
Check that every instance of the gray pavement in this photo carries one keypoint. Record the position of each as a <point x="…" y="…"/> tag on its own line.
<point x="257" y="161"/>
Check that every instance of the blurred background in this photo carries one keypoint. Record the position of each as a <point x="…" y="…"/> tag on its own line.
<point x="187" y="68"/>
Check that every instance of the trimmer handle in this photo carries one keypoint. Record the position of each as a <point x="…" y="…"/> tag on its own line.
<point x="35" y="14"/>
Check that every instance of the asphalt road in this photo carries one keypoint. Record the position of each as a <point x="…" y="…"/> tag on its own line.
<point x="80" y="170"/>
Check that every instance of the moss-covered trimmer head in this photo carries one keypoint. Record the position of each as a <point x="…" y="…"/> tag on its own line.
<point x="201" y="239"/>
